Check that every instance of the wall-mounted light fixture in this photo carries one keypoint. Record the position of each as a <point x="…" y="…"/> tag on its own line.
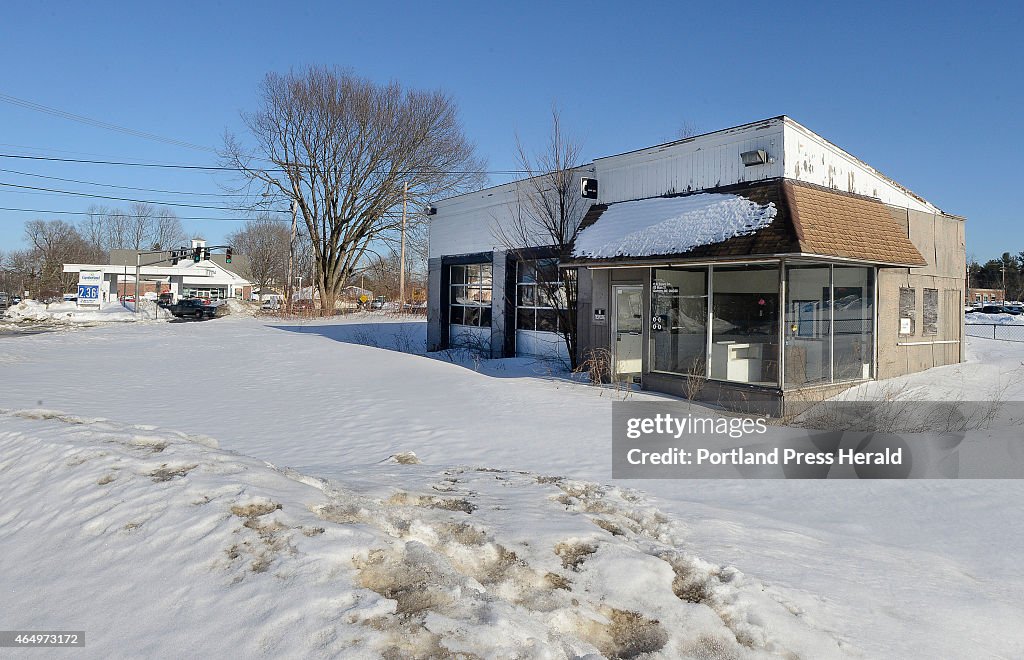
<point x="757" y="157"/>
<point x="430" y="209"/>
<point x="588" y="188"/>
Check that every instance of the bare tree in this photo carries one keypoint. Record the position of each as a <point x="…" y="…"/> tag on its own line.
<point x="417" y="248"/>
<point x="53" y="244"/>
<point x="264" y="241"/>
<point x="94" y="228"/>
<point x="21" y="270"/>
<point x="304" y="265"/>
<point x="166" y="231"/>
<point x="687" y="129"/>
<point x="140" y="225"/>
<point x="118" y="225"/>
<point x="8" y="279"/>
<point x="382" y="275"/>
<point x="548" y="215"/>
<point x="341" y="148"/>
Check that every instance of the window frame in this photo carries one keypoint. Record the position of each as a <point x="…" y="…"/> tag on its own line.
<point x="472" y="281"/>
<point x="527" y="279"/>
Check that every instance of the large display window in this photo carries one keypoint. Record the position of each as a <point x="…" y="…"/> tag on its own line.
<point x="808" y="324"/>
<point x="745" y="324"/>
<point x="679" y="321"/>
<point x="854" y="325"/>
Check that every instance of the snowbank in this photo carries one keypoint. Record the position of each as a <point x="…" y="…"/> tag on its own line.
<point x="144" y="537"/>
<point x="232" y="307"/>
<point x="671" y="225"/>
<point x="68" y="313"/>
<point x="999" y="319"/>
<point x="896" y="569"/>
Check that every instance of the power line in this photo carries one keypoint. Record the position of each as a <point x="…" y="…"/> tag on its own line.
<point x="180" y="217"/>
<point x="130" y="215"/>
<point x="224" y="168"/>
<point x="127" y="199"/>
<point x="39" y="107"/>
<point x="45" y="151"/>
<point x="114" y="185"/>
<point x="125" y="163"/>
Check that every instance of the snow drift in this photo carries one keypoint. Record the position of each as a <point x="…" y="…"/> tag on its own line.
<point x="68" y="313"/>
<point x="144" y="537"/>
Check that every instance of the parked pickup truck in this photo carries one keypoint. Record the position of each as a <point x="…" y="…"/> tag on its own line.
<point x="192" y="308"/>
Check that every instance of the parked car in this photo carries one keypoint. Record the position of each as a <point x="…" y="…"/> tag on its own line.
<point x="992" y="309"/>
<point x="1015" y="310"/>
<point x="130" y="299"/>
<point x="194" y="308"/>
<point x="378" y="302"/>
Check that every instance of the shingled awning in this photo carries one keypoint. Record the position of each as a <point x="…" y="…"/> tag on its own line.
<point x="755" y="220"/>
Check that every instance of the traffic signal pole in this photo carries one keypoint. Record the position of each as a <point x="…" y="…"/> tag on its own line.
<point x="176" y="255"/>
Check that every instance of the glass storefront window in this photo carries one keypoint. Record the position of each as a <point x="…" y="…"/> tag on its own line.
<point x="854" y="326"/>
<point x="808" y="325"/>
<point x="828" y="319"/>
<point x="679" y="321"/>
<point x="745" y="324"/>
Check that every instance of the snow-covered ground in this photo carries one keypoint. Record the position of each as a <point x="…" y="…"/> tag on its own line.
<point x="1001" y="319"/>
<point x="503" y="534"/>
<point x="63" y="313"/>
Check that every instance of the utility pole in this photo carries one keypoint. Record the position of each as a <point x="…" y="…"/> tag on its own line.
<point x="138" y="267"/>
<point x="1004" y="282"/>
<point x="401" y="271"/>
<point x="291" y="260"/>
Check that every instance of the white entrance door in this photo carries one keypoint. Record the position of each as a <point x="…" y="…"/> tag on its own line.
<point x="627" y="332"/>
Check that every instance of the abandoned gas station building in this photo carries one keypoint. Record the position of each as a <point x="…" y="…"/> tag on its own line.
<point x="762" y="259"/>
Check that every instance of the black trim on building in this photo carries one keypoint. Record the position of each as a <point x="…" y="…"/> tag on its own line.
<point x="445" y="311"/>
<point x="446" y="287"/>
<point x="465" y="259"/>
<point x="509" y="340"/>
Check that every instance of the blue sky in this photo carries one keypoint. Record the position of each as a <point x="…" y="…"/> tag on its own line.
<point x="930" y="94"/>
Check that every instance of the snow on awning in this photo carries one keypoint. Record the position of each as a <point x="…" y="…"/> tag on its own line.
<point x="671" y="225"/>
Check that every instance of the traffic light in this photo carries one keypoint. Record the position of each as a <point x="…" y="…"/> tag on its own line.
<point x="206" y="254"/>
<point x="227" y="256"/>
<point x="197" y="254"/>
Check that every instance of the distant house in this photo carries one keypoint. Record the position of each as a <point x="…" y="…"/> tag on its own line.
<point x="762" y="259"/>
<point x="355" y="293"/>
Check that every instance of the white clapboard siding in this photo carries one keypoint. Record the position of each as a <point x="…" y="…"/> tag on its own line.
<point x="811" y="158"/>
<point x="698" y="163"/>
